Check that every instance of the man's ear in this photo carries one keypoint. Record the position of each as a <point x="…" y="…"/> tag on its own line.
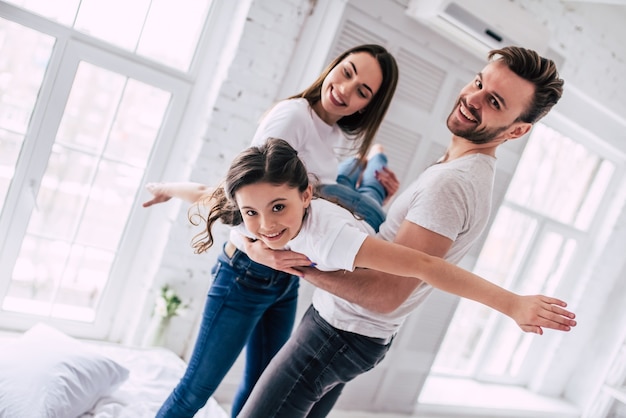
<point x="519" y="129"/>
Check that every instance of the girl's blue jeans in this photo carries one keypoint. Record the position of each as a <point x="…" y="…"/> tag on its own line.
<point x="253" y="306"/>
<point x="364" y="200"/>
<point x="305" y="378"/>
<point x="248" y="305"/>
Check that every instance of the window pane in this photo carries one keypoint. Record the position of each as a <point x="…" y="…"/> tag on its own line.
<point x="559" y="180"/>
<point x="552" y="254"/>
<point x="102" y="147"/>
<point x="166" y="31"/>
<point x="116" y="21"/>
<point x="24" y="56"/>
<point x="505" y="247"/>
<point x="183" y="21"/>
<point x="555" y="176"/>
<point x="63" y="11"/>
<point x="91" y="108"/>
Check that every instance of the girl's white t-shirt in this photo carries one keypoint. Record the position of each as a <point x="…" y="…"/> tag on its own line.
<point x="330" y="236"/>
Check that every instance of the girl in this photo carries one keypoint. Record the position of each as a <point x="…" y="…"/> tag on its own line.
<point x="268" y="197"/>
<point x="250" y="304"/>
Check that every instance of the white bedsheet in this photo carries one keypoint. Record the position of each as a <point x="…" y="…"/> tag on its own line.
<point x="153" y="374"/>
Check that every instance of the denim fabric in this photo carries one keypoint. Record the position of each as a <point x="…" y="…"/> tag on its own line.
<point x="350" y="171"/>
<point x="316" y="361"/>
<point x="249" y="305"/>
<point x="360" y="204"/>
<point x="364" y="201"/>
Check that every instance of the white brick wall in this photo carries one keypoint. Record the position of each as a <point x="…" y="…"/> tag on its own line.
<point x="269" y="36"/>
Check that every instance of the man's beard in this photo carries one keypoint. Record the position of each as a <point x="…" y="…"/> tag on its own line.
<point x="472" y="134"/>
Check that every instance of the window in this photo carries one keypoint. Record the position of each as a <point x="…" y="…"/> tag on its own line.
<point x="166" y="31"/>
<point x="540" y="229"/>
<point x="81" y="122"/>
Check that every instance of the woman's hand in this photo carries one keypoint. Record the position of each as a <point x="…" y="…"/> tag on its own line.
<point x="533" y="313"/>
<point x="389" y="181"/>
<point x="159" y="192"/>
<point x="283" y="260"/>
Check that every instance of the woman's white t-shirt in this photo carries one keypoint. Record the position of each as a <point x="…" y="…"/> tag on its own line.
<point x="320" y="146"/>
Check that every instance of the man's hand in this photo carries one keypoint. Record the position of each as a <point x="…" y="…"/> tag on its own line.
<point x="159" y="193"/>
<point x="277" y="259"/>
<point x="389" y="181"/>
<point x="532" y="313"/>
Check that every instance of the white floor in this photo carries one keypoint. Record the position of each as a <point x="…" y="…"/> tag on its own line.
<point x="462" y="398"/>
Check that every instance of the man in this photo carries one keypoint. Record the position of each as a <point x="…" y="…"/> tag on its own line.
<point x="445" y="210"/>
<point x="435" y="214"/>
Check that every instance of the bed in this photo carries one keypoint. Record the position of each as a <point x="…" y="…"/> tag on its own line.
<point x="47" y="374"/>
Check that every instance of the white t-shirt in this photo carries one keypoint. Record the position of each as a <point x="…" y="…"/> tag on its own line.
<point x="452" y="199"/>
<point x="330" y="236"/>
<point x="320" y="146"/>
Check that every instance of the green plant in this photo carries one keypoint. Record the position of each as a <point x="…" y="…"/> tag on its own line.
<point x="168" y="304"/>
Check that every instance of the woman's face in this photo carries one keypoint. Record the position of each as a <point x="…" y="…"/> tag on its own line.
<point x="273" y="213"/>
<point x="349" y="87"/>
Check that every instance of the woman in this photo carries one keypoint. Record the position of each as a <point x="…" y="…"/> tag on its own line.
<point x="248" y="303"/>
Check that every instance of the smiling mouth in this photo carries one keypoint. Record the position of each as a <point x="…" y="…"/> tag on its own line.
<point x="336" y="100"/>
<point x="466" y="113"/>
<point x="273" y="237"/>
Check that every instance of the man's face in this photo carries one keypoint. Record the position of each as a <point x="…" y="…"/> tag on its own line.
<point x="489" y="105"/>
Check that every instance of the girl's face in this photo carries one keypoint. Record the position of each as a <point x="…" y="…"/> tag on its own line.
<point x="349" y="87"/>
<point x="273" y="213"/>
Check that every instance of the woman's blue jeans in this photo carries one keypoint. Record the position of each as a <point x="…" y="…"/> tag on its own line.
<point x="307" y="375"/>
<point x="365" y="200"/>
<point x="249" y="305"/>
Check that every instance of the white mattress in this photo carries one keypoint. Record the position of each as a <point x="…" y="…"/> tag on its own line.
<point x="153" y="374"/>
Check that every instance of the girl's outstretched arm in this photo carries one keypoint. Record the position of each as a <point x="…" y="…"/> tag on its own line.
<point x="187" y="191"/>
<point x="531" y="313"/>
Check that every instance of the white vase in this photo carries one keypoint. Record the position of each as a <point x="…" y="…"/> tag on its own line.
<point x="156" y="332"/>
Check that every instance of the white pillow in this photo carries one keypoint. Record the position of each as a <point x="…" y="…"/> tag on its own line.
<point x="47" y="374"/>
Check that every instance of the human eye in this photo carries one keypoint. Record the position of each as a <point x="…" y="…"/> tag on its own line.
<point x="363" y="94"/>
<point x="250" y="212"/>
<point x="347" y="72"/>
<point x="478" y="83"/>
<point x="494" y="102"/>
<point x="278" y="208"/>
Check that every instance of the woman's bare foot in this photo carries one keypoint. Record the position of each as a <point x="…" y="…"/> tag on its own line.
<point x="374" y="150"/>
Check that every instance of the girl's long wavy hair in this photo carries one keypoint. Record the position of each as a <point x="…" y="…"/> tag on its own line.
<point x="274" y="162"/>
<point x="363" y="125"/>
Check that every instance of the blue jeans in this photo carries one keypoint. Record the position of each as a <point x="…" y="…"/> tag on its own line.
<point x="350" y="171"/>
<point x="314" y="364"/>
<point x="364" y="201"/>
<point x="249" y="305"/>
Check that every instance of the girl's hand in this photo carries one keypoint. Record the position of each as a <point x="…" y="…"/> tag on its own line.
<point x="276" y="259"/>
<point x="533" y="313"/>
<point x="159" y="192"/>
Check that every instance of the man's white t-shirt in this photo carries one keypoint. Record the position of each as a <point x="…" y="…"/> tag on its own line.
<point x="452" y="199"/>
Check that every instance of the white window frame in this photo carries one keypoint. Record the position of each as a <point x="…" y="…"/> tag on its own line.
<point x="182" y="119"/>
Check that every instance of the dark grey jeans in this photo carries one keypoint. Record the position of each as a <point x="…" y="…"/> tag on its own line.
<point x="305" y="378"/>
